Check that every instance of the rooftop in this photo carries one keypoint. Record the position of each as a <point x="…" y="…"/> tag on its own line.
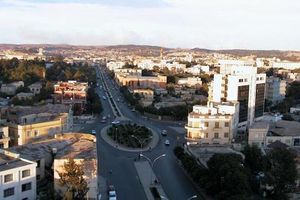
<point x="285" y="128"/>
<point x="260" y="125"/>
<point x="70" y="145"/>
<point x="9" y="162"/>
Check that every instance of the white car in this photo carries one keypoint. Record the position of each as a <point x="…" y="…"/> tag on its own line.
<point x="94" y="132"/>
<point x="164" y="132"/>
<point x="167" y="142"/>
<point x="116" y="122"/>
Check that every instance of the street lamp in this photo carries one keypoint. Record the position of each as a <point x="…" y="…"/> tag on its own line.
<point x="141" y="141"/>
<point x="152" y="163"/>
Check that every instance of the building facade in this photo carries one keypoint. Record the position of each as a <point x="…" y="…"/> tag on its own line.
<point x="242" y="84"/>
<point x="4" y="137"/>
<point x="213" y="124"/>
<point x="17" y="177"/>
<point x="275" y="89"/>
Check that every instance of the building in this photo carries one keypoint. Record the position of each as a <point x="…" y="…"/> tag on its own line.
<point x="83" y="152"/>
<point x="71" y="93"/>
<point x="190" y="81"/>
<point x="138" y="81"/>
<point x="146" y="96"/>
<point x="266" y="133"/>
<point x="42" y="152"/>
<point x="215" y="123"/>
<point x="11" y="88"/>
<point x="242" y="84"/>
<point x="112" y="65"/>
<point x="285" y="65"/>
<point x="197" y="69"/>
<point x="17" y="177"/>
<point x="4" y="137"/>
<point x="27" y="124"/>
<point x="35" y="88"/>
<point x="275" y="89"/>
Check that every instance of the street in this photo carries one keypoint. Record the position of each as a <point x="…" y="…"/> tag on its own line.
<point x="124" y="176"/>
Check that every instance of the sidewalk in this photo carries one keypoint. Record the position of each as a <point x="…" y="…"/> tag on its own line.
<point x="147" y="177"/>
<point x="153" y="143"/>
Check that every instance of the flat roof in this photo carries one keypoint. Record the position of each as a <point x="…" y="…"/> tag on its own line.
<point x="260" y="125"/>
<point x="9" y="162"/>
<point x="285" y="128"/>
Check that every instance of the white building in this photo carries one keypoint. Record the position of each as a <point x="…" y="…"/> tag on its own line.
<point x="286" y="65"/>
<point x="190" y="81"/>
<point x="197" y="69"/>
<point x="275" y="89"/>
<point x="243" y="84"/>
<point x="230" y="63"/>
<point x="112" y="65"/>
<point x="17" y="177"/>
<point x="213" y="124"/>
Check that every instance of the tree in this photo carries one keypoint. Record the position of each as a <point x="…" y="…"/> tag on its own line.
<point x="282" y="172"/>
<point x="71" y="177"/>
<point x="227" y="177"/>
<point x="254" y="159"/>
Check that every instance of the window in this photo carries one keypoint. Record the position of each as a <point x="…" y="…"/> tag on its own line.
<point x="26" y="187"/>
<point x="36" y="133"/>
<point x="226" y="124"/>
<point x="206" y="124"/>
<point x="38" y="162"/>
<point x="38" y="177"/>
<point x="206" y="135"/>
<point x="216" y="135"/>
<point x="226" y="135"/>
<point x="240" y="80"/>
<point x="9" y="192"/>
<point x="217" y="125"/>
<point x="25" y="173"/>
<point x="28" y="133"/>
<point x="8" y="178"/>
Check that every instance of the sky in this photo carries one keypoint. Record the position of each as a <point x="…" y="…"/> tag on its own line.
<point x="213" y="24"/>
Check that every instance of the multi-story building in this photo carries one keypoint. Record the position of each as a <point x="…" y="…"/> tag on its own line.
<point x="112" y="65"/>
<point x="275" y="89"/>
<point x="17" y="177"/>
<point x="242" y="84"/>
<point x="71" y="93"/>
<point x="190" y="81"/>
<point x="137" y="81"/>
<point x="35" y="88"/>
<point x="285" y="65"/>
<point x="4" y="137"/>
<point x="27" y="124"/>
<point x="215" y="123"/>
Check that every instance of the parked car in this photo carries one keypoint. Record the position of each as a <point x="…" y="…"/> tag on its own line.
<point x="115" y="122"/>
<point x="164" y="132"/>
<point x="104" y="98"/>
<point x="94" y="132"/>
<point x="167" y="142"/>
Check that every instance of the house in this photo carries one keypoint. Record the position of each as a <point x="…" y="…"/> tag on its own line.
<point x="35" y="88"/>
<point x="24" y="95"/>
<point x="4" y="137"/>
<point x="11" y="88"/>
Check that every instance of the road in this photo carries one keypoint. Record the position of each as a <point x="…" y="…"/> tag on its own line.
<point x="124" y="177"/>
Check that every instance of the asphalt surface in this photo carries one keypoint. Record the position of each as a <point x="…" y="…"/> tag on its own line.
<point x="124" y="176"/>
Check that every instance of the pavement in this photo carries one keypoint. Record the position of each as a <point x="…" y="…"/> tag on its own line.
<point x="147" y="178"/>
<point x="151" y="145"/>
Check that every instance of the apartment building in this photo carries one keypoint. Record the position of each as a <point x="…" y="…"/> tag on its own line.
<point x="285" y="65"/>
<point x="28" y="124"/>
<point x="275" y="89"/>
<point x="35" y="88"/>
<point x="112" y="65"/>
<point x="190" y="81"/>
<point x="17" y="177"/>
<point x="4" y="137"/>
<point x="215" y="123"/>
<point x="242" y="84"/>
<point x="11" y="88"/>
<point x="71" y="93"/>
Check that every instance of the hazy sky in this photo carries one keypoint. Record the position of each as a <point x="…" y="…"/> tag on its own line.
<point x="216" y="24"/>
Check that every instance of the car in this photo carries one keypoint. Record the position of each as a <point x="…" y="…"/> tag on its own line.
<point x="164" y="132"/>
<point x="167" y="142"/>
<point x="115" y="122"/>
<point x="104" y="98"/>
<point x="112" y="194"/>
<point x="94" y="132"/>
<point x="103" y="118"/>
<point x="103" y="121"/>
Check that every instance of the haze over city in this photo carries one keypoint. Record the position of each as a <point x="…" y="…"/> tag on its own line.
<point x="213" y="24"/>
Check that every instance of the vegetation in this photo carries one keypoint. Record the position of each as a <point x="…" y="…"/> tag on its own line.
<point x="93" y="102"/>
<point x="130" y="135"/>
<point x="225" y="172"/>
<point x="72" y="177"/>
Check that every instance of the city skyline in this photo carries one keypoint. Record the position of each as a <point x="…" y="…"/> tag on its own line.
<point x="170" y="23"/>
